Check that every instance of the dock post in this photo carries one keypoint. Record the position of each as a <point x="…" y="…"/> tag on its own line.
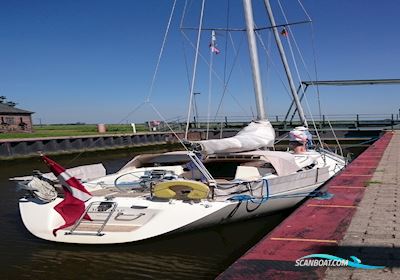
<point x="392" y="121"/>
<point x="358" y="120"/>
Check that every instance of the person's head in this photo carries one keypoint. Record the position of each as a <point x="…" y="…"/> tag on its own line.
<point x="297" y="147"/>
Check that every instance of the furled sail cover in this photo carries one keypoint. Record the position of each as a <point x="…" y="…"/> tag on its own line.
<point x="256" y="135"/>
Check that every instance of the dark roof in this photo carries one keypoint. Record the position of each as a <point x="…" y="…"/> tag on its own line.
<point x="5" y="109"/>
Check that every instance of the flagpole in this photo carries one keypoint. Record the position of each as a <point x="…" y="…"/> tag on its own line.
<point x="213" y="48"/>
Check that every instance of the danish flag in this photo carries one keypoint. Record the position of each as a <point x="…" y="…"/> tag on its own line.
<point x="75" y="194"/>
<point x="213" y="44"/>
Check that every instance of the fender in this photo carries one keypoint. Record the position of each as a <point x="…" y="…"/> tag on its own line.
<point x="181" y="189"/>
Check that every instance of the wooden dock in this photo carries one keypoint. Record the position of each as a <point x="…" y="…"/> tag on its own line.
<point x="361" y="220"/>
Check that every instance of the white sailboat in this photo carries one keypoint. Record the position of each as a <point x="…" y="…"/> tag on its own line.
<point x="222" y="181"/>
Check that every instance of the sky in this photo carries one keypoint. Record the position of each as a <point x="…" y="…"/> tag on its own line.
<point x="93" y="61"/>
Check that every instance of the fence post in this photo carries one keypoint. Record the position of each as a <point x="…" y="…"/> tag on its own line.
<point x="392" y="122"/>
<point x="357" y="121"/>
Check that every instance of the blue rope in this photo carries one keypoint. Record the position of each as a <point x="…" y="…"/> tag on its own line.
<point x="264" y="199"/>
<point x="245" y="197"/>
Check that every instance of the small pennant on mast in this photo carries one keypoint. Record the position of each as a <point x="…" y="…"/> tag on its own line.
<point x="284" y="32"/>
<point x="213" y="44"/>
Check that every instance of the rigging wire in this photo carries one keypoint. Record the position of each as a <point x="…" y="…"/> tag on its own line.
<point x="228" y="32"/>
<point x="184" y="48"/>
<point x="147" y="99"/>
<point x="183" y="45"/>
<point x="215" y="73"/>
<point x="194" y="68"/>
<point x="185" y="8"/>
<point x="268" y="63"/>
<point x="301" y="55"/>
<point x="161" y="52"/>
<point x="169" y="127"/>
<point x="314" y="56"/>
<point x="337" y="140"/>
<point x="210" y="84"/>
<point x="315" y="70"/>
<point x="304" y="10"/>
<point x="226" y="41"/>
<point x="302" y="89"/>
<point x="225" y="90"/>
<point x="273" y="64"/>
<point x="225" y="84"/>
<point x="298" y="74"/>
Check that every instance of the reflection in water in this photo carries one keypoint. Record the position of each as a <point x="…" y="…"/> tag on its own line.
<point x="200" y="254"/>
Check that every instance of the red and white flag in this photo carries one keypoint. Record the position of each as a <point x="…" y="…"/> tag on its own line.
<point x="75" y="195"/>
<point x="213" y="44"/>
<point x="214" y="49"/>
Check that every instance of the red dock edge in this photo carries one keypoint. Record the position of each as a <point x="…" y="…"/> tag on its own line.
<point x="316" y="227"/>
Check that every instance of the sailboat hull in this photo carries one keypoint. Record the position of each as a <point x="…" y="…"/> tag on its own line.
<point x="143" y="218"/>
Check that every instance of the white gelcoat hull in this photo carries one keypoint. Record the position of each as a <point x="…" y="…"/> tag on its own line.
<point x="152" y="218"/>
<point x="167" y="217"/>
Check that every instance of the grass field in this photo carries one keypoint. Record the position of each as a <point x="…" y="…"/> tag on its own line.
<point x="55" y="130"/>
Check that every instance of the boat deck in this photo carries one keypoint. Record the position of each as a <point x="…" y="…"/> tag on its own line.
<point x="116" y="193"/>
<point x="361" y="220"/>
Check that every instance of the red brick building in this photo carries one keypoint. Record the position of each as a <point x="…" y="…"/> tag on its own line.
<point x="13" y="119"/>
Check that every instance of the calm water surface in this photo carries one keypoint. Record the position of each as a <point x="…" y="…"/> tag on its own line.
<point x="201" y="254"/>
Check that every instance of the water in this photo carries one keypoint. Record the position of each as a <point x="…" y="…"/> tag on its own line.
<point x="201" y="254"/>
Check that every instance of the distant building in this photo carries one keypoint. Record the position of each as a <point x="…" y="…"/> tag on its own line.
<point x="13" y="119"/>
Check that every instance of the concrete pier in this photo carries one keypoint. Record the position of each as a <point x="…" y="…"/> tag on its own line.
<point x="374" y="232"/>
<point x="361" y="220"/>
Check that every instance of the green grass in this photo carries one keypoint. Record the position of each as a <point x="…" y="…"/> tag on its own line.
<point x="58" y="130"/>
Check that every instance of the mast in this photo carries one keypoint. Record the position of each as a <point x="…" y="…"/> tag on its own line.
<point x="255" y="67"/>
<point x="285" y="63"/>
